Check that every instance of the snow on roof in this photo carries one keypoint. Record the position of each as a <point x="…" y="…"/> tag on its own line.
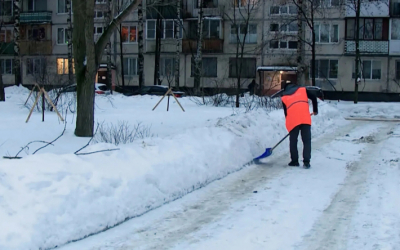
<point x="276" y="68"/>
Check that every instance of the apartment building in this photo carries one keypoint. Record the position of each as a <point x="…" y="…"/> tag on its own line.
<point x="268" y="30"/>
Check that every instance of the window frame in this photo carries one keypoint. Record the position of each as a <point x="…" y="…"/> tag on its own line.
<point x="129" y="26"/>
<point x="287" y="13"/>
<point x="331" y="27"/>
<point x="3" y="66"/>
<point x="7" y="39"/>
<point x="317" y="76"/>
<point x="233" y="37"/>
<point x="371" y="71"/>
<point x="163" y="71"/>
<point x="385" y="34"/>
<point x="397" y="68"/>
<point x="282" y="41"/>
<point x="249" y="75"/>
<point x="180" y="33"/>
<point x="65" y="69"/>
<point x="33" y="62"/>
<point x="203" y="71"/>
<point x="127" y="70"/>
<point x="58" y="8"/>
<point x="65" y="30"/>
<point x="11" y="8"/>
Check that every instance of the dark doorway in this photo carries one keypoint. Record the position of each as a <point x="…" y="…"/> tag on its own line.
<point x="288" y="78"/>
<point x="102" y="77"/>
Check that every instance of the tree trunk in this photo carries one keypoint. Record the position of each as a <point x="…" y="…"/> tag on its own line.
<point x="357" y="60"/>
<point x="140" y="45"/>
<point x="109" y="62"/>
<point x="178" y="42"/>
<point x="158" y="47"/>
<point x="198" y="66"/>
<point x="84" y="54"/>
<point x="2" y="92"/>
<point x="87" y="56"/>
<point x="69" y="37"/>
<point x="17" y="62"/>
<point x="121" y="47"/>
<point x="313" y="52"/>
<point x="300" y="44"/>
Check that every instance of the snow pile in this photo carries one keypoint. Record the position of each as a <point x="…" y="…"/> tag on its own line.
<point x="49" y="199"/>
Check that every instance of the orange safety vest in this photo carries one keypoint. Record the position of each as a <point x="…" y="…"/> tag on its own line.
<point x="297" y="109"/>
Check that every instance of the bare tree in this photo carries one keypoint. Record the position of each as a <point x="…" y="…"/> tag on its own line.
<point x="197" y="58"/>
<point x="240" y="19"/>
<point x="87" y="55"/>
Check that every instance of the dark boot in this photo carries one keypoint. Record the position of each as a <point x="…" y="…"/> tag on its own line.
<point x="306" y="165"/>
<point x="294" y="164"/>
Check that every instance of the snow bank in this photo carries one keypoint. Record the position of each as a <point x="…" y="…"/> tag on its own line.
<point x="50" y="199"/>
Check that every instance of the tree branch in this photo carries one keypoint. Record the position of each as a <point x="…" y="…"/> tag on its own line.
<point x="105" y="37"/>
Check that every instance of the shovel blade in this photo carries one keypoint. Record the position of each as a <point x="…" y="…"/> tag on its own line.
<point x="267" y="153"/>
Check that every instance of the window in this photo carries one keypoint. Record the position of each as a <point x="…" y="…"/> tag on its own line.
<point x="395" y="32"/>
<point x="209" y="67"/>
<point x="129" y="34"/>
<point x="211" y="28"/>
<point x="36" y="66"/>
<point x="282" y="44"/>
<point x="326" y="33"/>
<point x="130" y="66"/>
<point x="99" y="14"/>
<point x="6" y="8"/>
<point x="167" y="66"/>
<point x="327" y="3"/>
<point x="62" y="36"/>
<point x="370" y="29"/>
<point x="97" y="32"/>
<point x="167" y="27"/>
<point x="62" y="7"/>
<point x="289" y="27"/>
<point x="62" y="66"/>
<point x="371" y="70"/>
<point x="6" y="36"/>
<point x="243" y="3"/>
<point x="239" y="32"/>
<point x="6" y="66"/>
<point x="397" y="70"/>
<point x="274" y="27"/>
<point x="283" y="10"/>
<point x="208" y="3"/>
<point x="396" y="8"/>
<point x="325" y="69"/>
<point x="248" y="67"/>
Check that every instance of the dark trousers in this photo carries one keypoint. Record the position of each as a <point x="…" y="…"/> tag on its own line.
<point x="305" y="137"/>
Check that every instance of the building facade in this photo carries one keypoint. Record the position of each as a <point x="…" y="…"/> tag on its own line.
<point x="262" y="35"/>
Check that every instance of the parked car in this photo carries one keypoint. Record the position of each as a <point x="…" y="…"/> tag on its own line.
<point x="155" y="90"/>
<point x="99" y="88"/>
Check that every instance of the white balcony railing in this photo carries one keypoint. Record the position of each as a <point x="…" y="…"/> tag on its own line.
<point x="367" y="47"/>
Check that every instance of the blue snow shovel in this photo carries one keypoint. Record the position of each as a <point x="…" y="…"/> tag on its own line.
<point x="268" y="151"/>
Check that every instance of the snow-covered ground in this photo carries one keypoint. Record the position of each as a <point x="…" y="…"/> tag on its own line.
<point x="54" y="196"/>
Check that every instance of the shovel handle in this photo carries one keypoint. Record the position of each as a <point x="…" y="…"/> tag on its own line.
<point x="284" y="138"/>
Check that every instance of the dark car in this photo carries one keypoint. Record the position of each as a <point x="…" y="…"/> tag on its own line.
<point x="99" y="88"/>
<point x="154" y="90"/>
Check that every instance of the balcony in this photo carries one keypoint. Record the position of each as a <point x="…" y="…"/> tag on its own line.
<point x="35" y="17"/>
<point x="369" y="8"/>
<point x="367" y="47"/>
<point x="209" y="46"/>
<point x="44" y="47"/>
